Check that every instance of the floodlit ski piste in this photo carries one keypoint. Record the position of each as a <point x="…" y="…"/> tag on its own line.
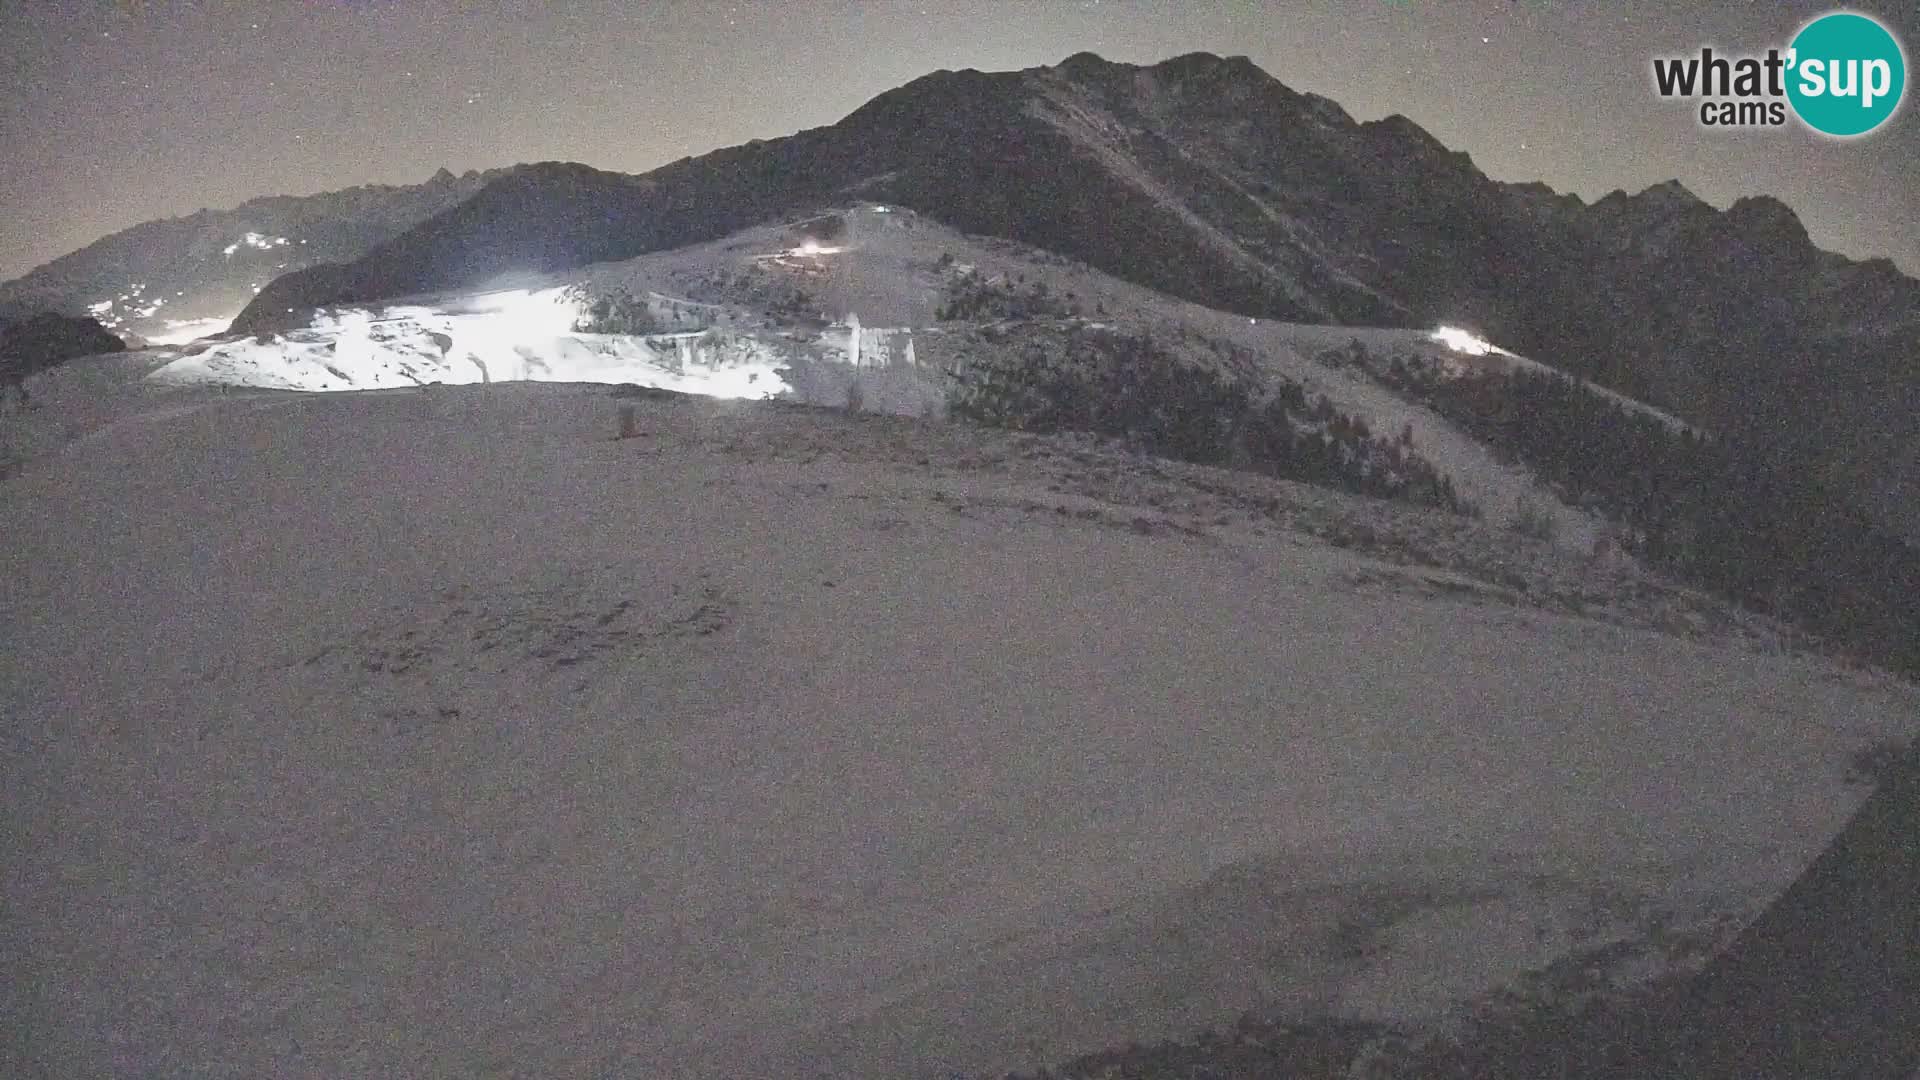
<point x="507" y="336"/>
<point x="185" y="331"/>
<point x="721" y="350"/>
<point x="841" y="307"/>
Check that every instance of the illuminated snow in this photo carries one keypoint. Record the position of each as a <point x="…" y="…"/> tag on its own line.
<point x="100" y="308"/>
<point x="181" y="331"/>
<point x="256" y="240"/>
<point x="506" y="336"/>
<point x="855" y="345"/>
<point x="807" y="251"/>
<point x="525" y="313"/>
<point x="1461" y="341"/>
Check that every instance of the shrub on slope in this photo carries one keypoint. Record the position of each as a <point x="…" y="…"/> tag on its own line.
<point x="973" y="297"/>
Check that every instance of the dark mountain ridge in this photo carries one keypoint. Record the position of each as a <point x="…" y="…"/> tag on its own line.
<point x="47" y="339"/>
<point x="1201" y="176"/>
<point x="1208" y="179"/>
<point x="206" y="265"/>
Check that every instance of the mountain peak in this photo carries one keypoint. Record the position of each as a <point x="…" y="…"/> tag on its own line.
<point x="1766" y="214"/>
<point x="1200" y="58"/>
<point x="1190" y="65"/>
<point x="1670" y="193"/>
<point x="1403" y="129"/>
<point x="1085" y="63"/>
<point x="1090" y="65"/>
<point x="1662" y="201"/>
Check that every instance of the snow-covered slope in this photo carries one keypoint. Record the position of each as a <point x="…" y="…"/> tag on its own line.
<point x="511" y="335"/>
<point x="439" y="732"/>
<point x="798" y="309"/>
<point x="892" y="267"/>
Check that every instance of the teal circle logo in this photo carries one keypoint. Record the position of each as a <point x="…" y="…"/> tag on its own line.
<point x="1846" y="74"/>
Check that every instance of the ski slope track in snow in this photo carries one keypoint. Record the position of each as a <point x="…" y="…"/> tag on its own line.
<point x="441" y="732"/>
<point x="773" y="311"/>
<point x="510" y="335"/>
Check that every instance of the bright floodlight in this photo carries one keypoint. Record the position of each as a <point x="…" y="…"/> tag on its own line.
<point x="1462" y="342"/>
<point x="181" y="331"/>
<point x="526" y="314"/>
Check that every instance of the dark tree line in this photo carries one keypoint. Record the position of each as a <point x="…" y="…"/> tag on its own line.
<point x="1743" y="522"/>
<point x="1128" y="387"/>
<point x="971" y="297"/>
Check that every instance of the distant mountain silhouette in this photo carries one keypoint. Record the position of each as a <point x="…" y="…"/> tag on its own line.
<point x="206" y="264"/>
<point x="1208" y="179"/>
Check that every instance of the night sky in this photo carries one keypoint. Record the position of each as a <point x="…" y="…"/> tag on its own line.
<point x="112" y="114"/>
